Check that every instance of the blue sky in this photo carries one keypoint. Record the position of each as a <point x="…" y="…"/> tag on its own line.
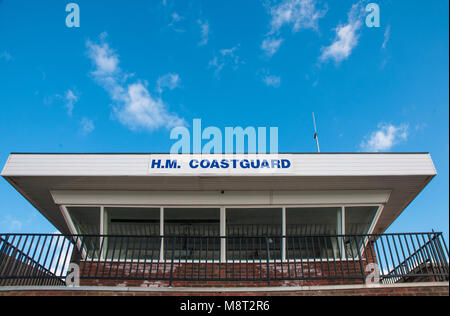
<point x="132" y="70"/>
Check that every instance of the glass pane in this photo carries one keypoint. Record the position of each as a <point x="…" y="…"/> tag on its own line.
<point x="359" y="219"/>
<point x="357" y="222"/>
<point x="85" y="219"/>
<point x="132" y="221"/>
<point x="137" y="231"/>
<point x="192" y="233"/>
<point x="312" y="233"/>
<point x="252" y="232"/>
<point x="87" y="222"/>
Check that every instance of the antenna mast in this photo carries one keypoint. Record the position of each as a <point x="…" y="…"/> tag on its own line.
<point x="316" y="135"/>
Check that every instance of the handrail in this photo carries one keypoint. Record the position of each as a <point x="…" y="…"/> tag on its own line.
<point x="389" y="258"/>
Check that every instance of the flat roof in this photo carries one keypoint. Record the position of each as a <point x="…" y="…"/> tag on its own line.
<point x="36" y="175"/>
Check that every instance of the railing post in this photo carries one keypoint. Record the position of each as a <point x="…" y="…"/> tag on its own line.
<point x="268" y="260"/>
<point x="363" y="272"/>
<point x="171" y="261"/>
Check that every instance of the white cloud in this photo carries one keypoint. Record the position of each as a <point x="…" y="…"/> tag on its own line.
<point x="272" y="81"/>
<point x="87" y="126"/>
<point x="70" y="98"/>
<point x="387" y="36"/>
<point x="297" y="14"/>
<point x="170" y="81"/>
<point x="13" y="224"/>
<point x="142" y="110"/>
<point x="134" y="106"/>
<point x="226" y="57"/>
<point x="386" y="137"/>
<point x="5" y="56"/>
<point x="175" y="18"/>
<point x="271" y="45"/>
<point x="347" y="37"/>
<point x="175" y="22"/>
<point x="204" y="31"/>
<point x="104" y="58"/>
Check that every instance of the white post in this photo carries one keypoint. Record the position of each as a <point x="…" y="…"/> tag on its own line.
<point x="102" y="240"/>
<point x="161" y="232"/>
<point x="284" y="231"/>
<point x="342" y="232"/>
<point x="223" y="233"/>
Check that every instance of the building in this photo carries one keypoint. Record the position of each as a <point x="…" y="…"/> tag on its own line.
<point x="160" y="220"/>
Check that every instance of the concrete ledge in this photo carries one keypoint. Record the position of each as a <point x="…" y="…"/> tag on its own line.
<point x="168" y="290"/>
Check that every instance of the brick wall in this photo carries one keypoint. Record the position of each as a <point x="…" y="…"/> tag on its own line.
<point x="156" y="274"/>
<point x="221" y="275"/>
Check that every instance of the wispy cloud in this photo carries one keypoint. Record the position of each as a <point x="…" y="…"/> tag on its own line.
<point x="298" y="14"/>
<point x="169" y="81"/>
<point x="204" y="32"/>
<point x="134" y="106"/>
<point x="271" y="80"/>
<point x="225" y="58"/>
<point x="386" y="137"/>
<point x="175" y="21"/>
<point x="70" y="100"/>
<point x="11" y="224"/>
<point x="387" y="36"/>
<point x="5" y="56"/>
<point x="87" y="126"/>
<point x="271" y="45"/>
<point x="346" y="38"/>
<point x="295" y="14"/>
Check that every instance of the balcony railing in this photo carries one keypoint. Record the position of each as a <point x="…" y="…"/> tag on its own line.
<point x="40" y="259"/>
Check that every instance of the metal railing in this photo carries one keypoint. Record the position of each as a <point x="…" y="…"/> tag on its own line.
<point x="40" y="259"/>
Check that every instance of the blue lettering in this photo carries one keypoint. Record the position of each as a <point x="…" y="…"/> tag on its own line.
<point x="205" y="164"/>
<point x="245" y="164"/>
<point x="215" y="164"/>
<point x="171" y="164"/>
<point x="265" y="164"/>
<point x="224" y="164"/>
<point x="193" y="164"/>
<point x="285" y="164"/>
<point x="255" y="164"/>
<point x="275" y="164"/>
<point x="156" y="164"/>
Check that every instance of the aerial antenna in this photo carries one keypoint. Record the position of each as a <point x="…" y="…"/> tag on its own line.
<point x="316" y="135"/>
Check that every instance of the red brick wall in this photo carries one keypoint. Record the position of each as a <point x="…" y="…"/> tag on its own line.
<point x="240" y="275"/>
<point x="344" y="272"/>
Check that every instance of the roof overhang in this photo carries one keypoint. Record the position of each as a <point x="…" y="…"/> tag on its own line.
<point x="48" y="180"/>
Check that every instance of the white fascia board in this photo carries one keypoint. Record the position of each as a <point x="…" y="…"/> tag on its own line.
<point x="141" y="165"/>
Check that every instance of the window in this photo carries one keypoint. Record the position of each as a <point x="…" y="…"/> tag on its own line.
<point x="87" y="222"/>
<point x="122" y="221"/>
<point x="308" y="231"/>
<point x="85" y="219"/>
<point x="132" y="221"/>
<point x="251" y="231"/>
<point x="201" y="225"/>
<point x="358" y="221"/>
<point x="189" y="233"/>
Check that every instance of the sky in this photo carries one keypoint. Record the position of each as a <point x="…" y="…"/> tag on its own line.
<point x="133" y="70"/>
